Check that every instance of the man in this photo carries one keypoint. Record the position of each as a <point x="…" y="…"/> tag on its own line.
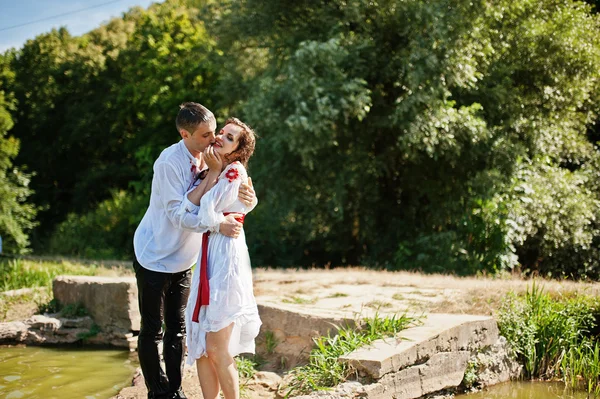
<point x="167" y="243"/>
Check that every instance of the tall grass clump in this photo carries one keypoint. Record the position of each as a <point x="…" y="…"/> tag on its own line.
<point x="324" y="370"/>
<point x="19" y="273"/>
<point x="581" y="366"/>
<point x="552" y="336"/>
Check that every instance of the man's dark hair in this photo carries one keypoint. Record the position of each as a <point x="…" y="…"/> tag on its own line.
<point x="191" y="115"/>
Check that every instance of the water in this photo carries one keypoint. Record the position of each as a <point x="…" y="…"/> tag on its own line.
<point x="65" y="373"/>
<point x="526" y="390"/>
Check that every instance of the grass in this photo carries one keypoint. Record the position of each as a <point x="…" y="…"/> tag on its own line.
<point x="74" y="310"/>
<point x="93" y="331"/>
<point x="337" y="295"/>
<point x="299" y="300"/>
<point x="376" y="304"/>
<point x="581" y="367"/>
<point x="271" y="342"/>
<point x="14" y="307"/>
<point x="246" y="367"/>
<point x="324" y="370"/>
<point x="551" y="336"/>
<point x="21" y="273"/>
<point x="16" y="273"/>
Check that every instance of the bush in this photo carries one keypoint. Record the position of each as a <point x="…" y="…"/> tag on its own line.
<point x="105" y="233"/>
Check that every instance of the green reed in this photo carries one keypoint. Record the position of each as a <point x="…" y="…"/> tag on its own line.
<point x="551" y="336"/>
<point x="581" y="366"/>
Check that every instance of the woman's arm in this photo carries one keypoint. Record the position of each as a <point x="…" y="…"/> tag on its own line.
<point x="207" y="183"/>
<point x="221" y="196"/>
<point x="215" y="165"/>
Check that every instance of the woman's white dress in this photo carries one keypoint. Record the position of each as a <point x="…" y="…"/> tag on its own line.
<point x="229" y="273"/>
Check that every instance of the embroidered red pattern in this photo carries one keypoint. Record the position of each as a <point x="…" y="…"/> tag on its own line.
<point x="232" y="174"/>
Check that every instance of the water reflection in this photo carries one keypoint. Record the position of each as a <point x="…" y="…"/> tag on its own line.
<point x="526" y="390"/>
<point x="66" y="373"/>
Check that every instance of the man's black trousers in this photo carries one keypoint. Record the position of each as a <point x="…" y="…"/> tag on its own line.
<point x="162" y="296"/>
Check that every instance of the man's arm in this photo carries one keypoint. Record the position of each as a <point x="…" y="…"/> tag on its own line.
<point x="171" y="193"/>
<point x="215" y="166"/>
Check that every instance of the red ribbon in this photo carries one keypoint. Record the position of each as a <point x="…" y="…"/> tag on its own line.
<point x="204" y="289"/>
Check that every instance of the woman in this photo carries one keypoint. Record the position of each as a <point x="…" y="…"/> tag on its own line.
<point x="222" y="317"/>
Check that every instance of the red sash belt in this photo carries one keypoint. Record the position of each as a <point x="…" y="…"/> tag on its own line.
<point x="203" y="288"/>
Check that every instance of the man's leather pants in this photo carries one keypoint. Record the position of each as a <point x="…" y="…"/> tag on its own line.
<point x="162" y="295"/>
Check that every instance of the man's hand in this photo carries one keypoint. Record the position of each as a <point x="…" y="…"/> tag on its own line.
<point x="246" y="193"/>
<point x="231" y="227"/>
<point x="212" y="159"/>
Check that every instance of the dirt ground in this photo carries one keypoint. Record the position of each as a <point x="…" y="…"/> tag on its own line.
<point x="358" y="289"/>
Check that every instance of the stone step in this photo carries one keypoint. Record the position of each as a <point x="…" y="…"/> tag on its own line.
<point x="439" y="333"/>
<point x="295" y="329"/>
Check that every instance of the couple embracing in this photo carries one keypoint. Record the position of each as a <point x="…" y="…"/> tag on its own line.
<point x="200" y="195"/>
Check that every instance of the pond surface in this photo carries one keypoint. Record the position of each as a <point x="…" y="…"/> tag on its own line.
<point x="66" y="373"/>
<point x="526" y="390"/>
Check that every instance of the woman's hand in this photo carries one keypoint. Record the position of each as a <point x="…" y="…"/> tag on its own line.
<point x="212" y="159"/>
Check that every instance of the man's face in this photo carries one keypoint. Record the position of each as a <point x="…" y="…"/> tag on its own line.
<point x="202" y="137"/>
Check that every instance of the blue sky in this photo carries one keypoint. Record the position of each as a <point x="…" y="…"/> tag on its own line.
<point x="20" y="12"/>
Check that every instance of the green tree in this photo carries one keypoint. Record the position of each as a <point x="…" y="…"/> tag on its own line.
<point x="393" y="132"/>
<point x="16" y="214"/>
<point x="168" y="59"/>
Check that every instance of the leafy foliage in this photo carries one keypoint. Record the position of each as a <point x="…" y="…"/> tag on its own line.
<point x="17" y="217"/>
<point x="442" y="136"/>
<point x="104" y="233"/>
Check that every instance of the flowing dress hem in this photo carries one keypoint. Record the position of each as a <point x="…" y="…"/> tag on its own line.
<point x="240" y="320"/>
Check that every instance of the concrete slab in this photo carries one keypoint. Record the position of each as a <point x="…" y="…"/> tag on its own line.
<point x="294" y="329"/>
<point x="111" y="301"/>
<point x="438" y="333"/>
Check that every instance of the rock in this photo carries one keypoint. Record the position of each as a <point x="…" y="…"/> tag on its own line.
<point x="403" y="384"/>
<point x="443" y="370"/>
<point x="80" y="322"/>
<point x="345" y="390"/>
<point x="495" y="365"/>
<point x="43" y="323"/>
<point x="294" y="329"/>
<point x="267" y="379"/>
<point x="110" y="301"/>
<point x="40" y="329"/>
<point x="13" y="332"/>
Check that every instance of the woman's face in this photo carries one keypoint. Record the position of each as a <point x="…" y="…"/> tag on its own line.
<point x="226" y="141"/>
